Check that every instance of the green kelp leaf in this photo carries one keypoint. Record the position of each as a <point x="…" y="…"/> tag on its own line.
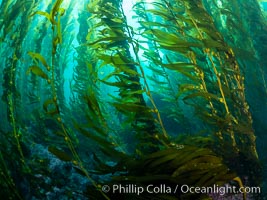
<point x="156" y="69"/>
<point x="51" y="16"/>
<point x="92" y="102"/>
<point x="188" y="87"/>
<point x="177" y="48"/>
<point x="114" y="22"/>
<point x="210" y="43"/>
<point x="33" y="98"/>
<point x="125" y="99"/>
<point x="156" y="80"/>
<point x="102" y="166"/>
<point x="55" y="10"/>
<point x="172" y="41"/>
<point x="211" y="31"/>
<point x="121" y="84"/>
<point x="59" y="154"/>
<point x="59" y="133"/>
<point x="105" y="58"/>
<point x="101" y="140"/>
<point x="40" y="58"/>
<point x="162" y="13"/>
<point x="131" y="107"/>
<point x="45" y="14"/>
<point x="92" y="122"/>
<point x="80" y="171"/>
<point x="149" y="24"/>
<point x="187" y="69"/>
<point x="37" y="71"/>
<point x="50" y="106"/>
<point x="108" y="39"/>
<point x="130" y="93"/>
<point x="150" y="54"/>
<point x="120" y="58"/>
<point x="180" y="66"/>
<point x="244" y="54"/>
<point x="206" y="95"/>
<point x="159" y="5"/>
<point x="126" y="68"/>
<point x="59" y="34"/>
<point x="166" y="38"/>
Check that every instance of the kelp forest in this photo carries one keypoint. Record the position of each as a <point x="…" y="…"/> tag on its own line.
<point x="133" y="99"/>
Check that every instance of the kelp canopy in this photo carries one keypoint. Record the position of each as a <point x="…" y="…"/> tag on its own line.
<point x="163" y="92"/>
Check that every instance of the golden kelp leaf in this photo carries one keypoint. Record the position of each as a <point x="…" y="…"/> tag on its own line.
<point x="37" y="71"/>
<point x="59" y="154"/>
<point x="162" y="153"/>
<point x="163" y="160"/>
<point x="211" y="177"/>
<point x="189" y="153"/>
<point x="40" y="58"/>
<point x="203" y="161"/>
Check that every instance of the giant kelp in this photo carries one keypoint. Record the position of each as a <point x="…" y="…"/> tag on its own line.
<point x="111" y="108"/>
<point x="196" y="47"/>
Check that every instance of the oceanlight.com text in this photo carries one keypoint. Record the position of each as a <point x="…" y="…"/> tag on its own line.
<point x="178" y="189"/>
<point x="222" y="190"/>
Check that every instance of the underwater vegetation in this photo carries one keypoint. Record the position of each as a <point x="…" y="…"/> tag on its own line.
<point x="98" y="93"/>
